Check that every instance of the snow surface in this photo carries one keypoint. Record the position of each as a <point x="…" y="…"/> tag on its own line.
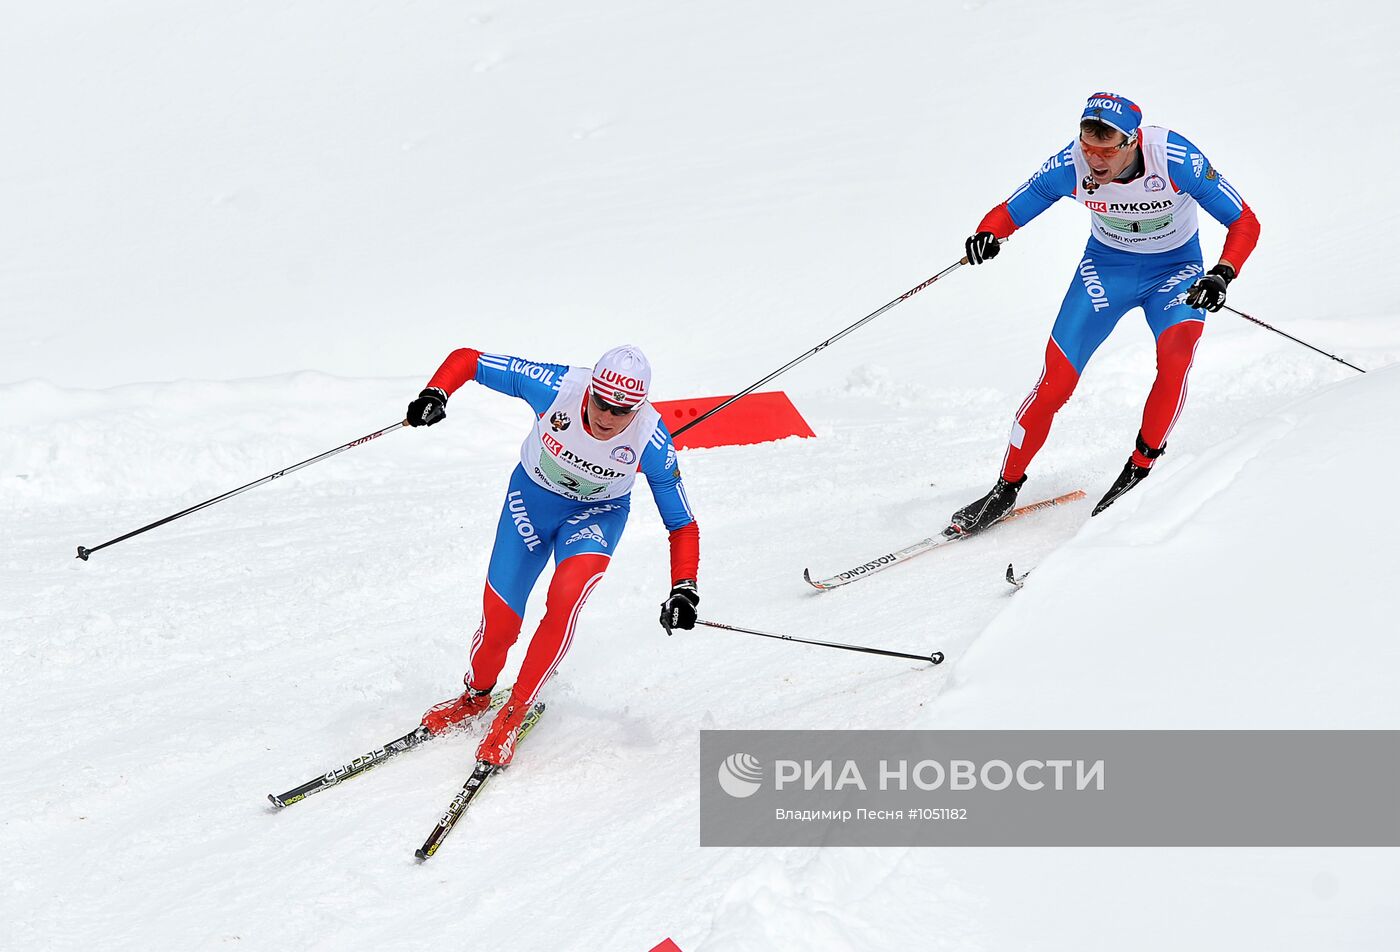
<point x="238" y="235"/>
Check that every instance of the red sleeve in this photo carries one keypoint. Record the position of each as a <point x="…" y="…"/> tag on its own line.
<point x="1241" y="239"/>
<point x="998" y="222"/>
<point x="457" y="369"/>
<point x="685" y="552"/>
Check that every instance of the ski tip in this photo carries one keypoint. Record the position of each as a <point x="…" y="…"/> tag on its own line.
<point x="84" y="552"/>
<point x="1015" y="581"/>
<point x="936" y="657"/>
<point x="807" y="576"/>
<point x="421" y="855"/>
<point x="276" y="803"/>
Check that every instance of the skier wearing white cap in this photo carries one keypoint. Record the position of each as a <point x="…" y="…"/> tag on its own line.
<point x="570" y="496"/>
<point x="1141" y="186"/>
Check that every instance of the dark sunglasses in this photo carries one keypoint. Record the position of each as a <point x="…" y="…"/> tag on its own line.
<point x="604" y="407"/>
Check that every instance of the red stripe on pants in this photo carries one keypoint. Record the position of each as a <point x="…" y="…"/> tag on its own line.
<point x="1176" y="350"/>
<point x="1057" y="381"/>
<point x="574" y="580"/>
<point x="500" y="626"/>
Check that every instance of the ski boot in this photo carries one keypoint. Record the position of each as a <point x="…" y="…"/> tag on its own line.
<point x="498" y="746"/>
<point x="987" y="511"/>
<point x="449" y="714"/>
<point x="1132" y="475"/>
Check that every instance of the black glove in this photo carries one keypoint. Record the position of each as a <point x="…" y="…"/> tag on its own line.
<point x="678" y="610"/>
<point x="981" y="247"/>
<point x="430" y="407"/>
<point x="1209" y="292"/>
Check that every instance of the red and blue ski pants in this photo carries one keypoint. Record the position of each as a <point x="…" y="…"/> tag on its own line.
<point x="534" y="524"/>
<point x="1107" y="284"/>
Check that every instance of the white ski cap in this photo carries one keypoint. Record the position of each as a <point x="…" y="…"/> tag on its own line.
<point x="622" y="376"/>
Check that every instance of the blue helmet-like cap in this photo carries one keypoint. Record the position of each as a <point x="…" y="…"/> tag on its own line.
<point x="1117" y="111"/>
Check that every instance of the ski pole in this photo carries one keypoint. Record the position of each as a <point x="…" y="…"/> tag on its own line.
<point x="1291" y="337"/>
<point x="822" y="346"/>
<point x="84" y="552"/>
<point x="935" y="658"/>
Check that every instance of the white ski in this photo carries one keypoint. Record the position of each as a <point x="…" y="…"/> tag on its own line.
<point x="950" y="535"/>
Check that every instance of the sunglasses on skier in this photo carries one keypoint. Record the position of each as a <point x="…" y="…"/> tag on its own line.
<point x="1106" y="152"/>
<point x="602" y="406"/>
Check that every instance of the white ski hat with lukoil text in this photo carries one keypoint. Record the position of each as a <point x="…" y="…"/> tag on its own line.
<point x="622" y="376"/>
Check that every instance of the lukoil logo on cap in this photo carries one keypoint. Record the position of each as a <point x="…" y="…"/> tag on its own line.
<point x="1117" y="111"/>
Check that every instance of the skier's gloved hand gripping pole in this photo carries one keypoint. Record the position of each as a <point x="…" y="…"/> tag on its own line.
<point x="678" y="611"/>
<point x="84" y="551"/>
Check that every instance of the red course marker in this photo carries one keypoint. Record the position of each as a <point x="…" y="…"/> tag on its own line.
<point x="756" y="418"/>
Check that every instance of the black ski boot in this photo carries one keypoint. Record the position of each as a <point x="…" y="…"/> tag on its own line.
<point x="1132" y="475"/>
<point x="987" y="511"/>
